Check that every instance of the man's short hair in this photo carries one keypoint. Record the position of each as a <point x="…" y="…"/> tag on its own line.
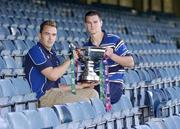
<point x="47" y="23"/>
<point x="92" y="13"/>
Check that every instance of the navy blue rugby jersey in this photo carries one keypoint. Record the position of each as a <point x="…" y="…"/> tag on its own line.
<point x="37" y="59"/>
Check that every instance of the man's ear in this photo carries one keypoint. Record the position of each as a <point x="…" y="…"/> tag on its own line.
<point x="101" y="22"/>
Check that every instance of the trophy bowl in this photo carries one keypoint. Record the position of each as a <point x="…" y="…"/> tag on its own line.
<point x="92" y="53"/>
<point x="88" y="56"/>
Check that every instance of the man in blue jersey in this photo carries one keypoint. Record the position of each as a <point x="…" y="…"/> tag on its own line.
<point x="43" y="71"/>
<point x="116" y="51"/>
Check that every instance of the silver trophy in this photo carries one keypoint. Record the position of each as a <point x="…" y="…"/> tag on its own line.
<point x="88" y="56"/>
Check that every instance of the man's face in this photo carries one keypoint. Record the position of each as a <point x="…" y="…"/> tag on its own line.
<point x="48" y="36"/>
<point x="93" y="24"/>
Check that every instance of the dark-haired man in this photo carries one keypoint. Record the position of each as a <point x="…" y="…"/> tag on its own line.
<point x="116" y="51"/>
<point x="43" y="71"/>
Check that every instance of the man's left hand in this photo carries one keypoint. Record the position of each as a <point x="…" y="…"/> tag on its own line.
<point x="109" y="52"/>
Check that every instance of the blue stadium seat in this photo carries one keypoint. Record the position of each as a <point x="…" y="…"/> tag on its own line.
<point x="4" y="71"/>
<point x="152" y="125"/>
<point x="61" y="35"/>
<point x="32" y="34"/>
<point x="4" y="123"/>
<point x="20" y="45"/>
<point x="102" y="116"/>
<point x="66" y="79"/>
<point x="9" y="46"/>
<point x="170" y="123"/>
<point x="8" y="90"/>
<point x="18" y="120"/>
<point x="34" y="119"/>
<point x="5" y="106"/>
<point x="15" y="33"/>
<point x="29" y="43"/>
<point x="4" y="33"/>
<point x="89" y="114"/>
<point x="49" y="117"/>
<point x="142" y="127"/>
<point x="11" y="64"/>
<point x="22" y="87"/>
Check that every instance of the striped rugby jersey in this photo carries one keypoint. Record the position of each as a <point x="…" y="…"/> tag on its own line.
<point x="116" y="71"/>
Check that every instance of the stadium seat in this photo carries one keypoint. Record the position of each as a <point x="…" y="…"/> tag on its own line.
<point x="169" y="123"/>
<point x="49" y="117"/>
<point x="142" y="127"/>
<point x="22" y="87"/>
<point x="11" y="64"/>
<point x="9" y="46"/>
<point x="4" y="33"/>
<point x="34" y="119"/>
<point x="5" y="106"/>
<point x="20" y="45"/>
<point x="152" y="125"/>
<point x="18" y="120"/>
<point x="4" y="71"/>
<point x="4" y="123"/>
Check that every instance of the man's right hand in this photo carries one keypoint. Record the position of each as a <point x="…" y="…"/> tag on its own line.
<point x="75" y="55"/>
<point x="80" y="85"/>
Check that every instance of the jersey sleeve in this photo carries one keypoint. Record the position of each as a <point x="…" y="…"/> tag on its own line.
<point x="39" y="59"/>
<point x="121" y="49"/>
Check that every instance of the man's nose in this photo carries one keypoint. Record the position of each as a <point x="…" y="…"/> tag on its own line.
<point x="92" y="25"/>
<point x="50" y="36"/>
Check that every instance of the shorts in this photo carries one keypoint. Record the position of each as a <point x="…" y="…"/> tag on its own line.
<point x="116" y="90"/>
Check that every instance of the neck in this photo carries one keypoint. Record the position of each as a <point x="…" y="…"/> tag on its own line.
<point x="47" y="48"/>
<point x="97" y="38"/>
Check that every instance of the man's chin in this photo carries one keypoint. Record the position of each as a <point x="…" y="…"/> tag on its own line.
<point x="92" y="33"/>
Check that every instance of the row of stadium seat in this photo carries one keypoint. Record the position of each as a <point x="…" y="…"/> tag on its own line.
<point x="84" y="114"/>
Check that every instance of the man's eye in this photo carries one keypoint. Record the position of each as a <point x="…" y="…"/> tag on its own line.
<point x="46" y="33"/>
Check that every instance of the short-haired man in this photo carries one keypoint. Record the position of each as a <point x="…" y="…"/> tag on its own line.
<point x="116" y="51"/>
<point x="43" y="71"/>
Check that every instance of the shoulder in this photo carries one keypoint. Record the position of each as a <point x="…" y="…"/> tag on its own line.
<point x="35" y="49"/>
<point x="113" y="38"/>
<point x="37" y="55"/>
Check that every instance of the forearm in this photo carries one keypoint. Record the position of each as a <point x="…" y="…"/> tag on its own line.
<point x="68" y="88"/>
<point x="55" y="73"/>
<point x="65" y="87"/>
<point x="126" y="61"/>
<point x="60" y="70"/>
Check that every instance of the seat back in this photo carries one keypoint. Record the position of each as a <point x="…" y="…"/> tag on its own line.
<point x="49" y="117"/>
<point x="142" y="127"/>
<point x="4" y="123"/>
<point x="6" y="88"/>
<point x="63" y="113"/>
<point x="98" y="106"/>
<point x="21" y="85"/>
<point x="18" y="120"/>
<point x="169" y="123"/>
<point x="76" y="111"/>
<point x="34" y="119"/>
<point x="87" y="109"/>
<point x="152" y="125"/>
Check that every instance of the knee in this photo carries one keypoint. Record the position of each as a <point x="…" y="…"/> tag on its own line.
<point x="94" y="94"/>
